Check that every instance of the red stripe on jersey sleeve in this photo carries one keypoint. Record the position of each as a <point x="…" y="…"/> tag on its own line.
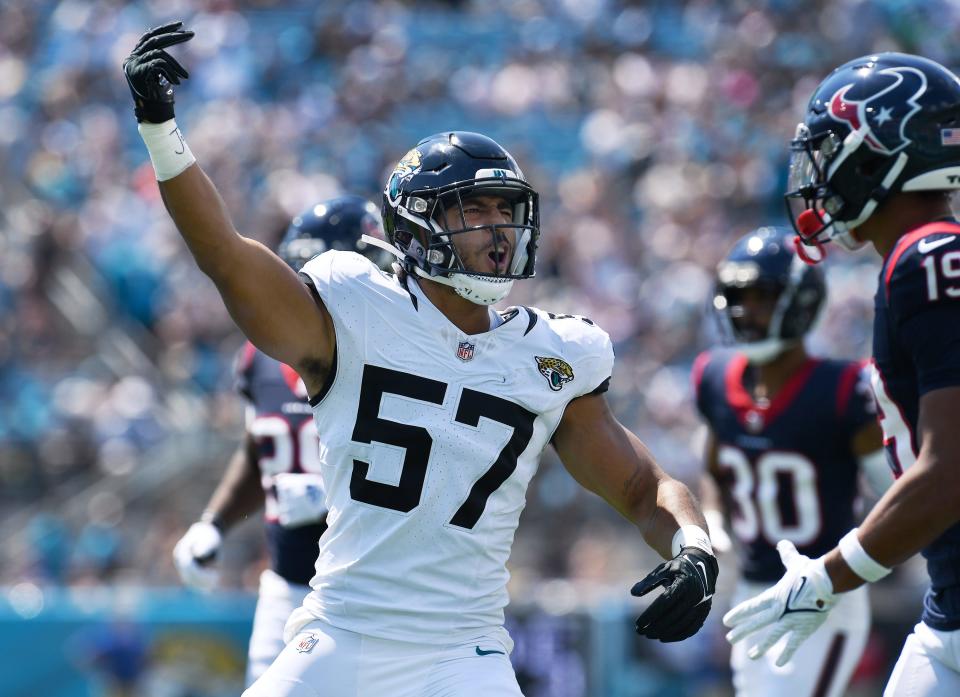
<point x="910" y="239"/>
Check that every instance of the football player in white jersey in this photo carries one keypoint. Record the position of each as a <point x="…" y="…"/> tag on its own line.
<point x="434" y="410"/>
<point x="276" y="466"/>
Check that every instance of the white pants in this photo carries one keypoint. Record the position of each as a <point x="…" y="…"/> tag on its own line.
<point x="824" y="663"/>
<point x="324" y="661"/>
<point x="277" y="598"/>
<point x="929" y="665"/>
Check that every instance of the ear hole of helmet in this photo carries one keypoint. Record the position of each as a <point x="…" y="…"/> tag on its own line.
<point x="872" y="165"/>
<point x="403" y="238"/>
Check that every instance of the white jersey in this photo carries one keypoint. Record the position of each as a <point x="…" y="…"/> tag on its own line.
<point x="429" y="439"/>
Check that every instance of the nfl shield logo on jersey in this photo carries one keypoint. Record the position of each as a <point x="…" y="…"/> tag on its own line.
<point x="306" y="644"/>
<point x="754" y="421"/>
<point x="465" y="351"/>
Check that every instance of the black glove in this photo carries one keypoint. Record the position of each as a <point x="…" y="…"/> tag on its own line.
<point x="151" y="72"/>
<point x="690" y="579"/>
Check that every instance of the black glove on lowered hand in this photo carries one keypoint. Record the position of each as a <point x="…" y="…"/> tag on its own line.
<point x="690" y="579"/>
<point x="151" y="72"/>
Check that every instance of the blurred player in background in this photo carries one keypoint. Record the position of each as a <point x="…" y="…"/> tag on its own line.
<point x="277" y="466"/>
<point x="434" y="410"/>
<point x="788" y="436"/>
<point x="874" y="161"/>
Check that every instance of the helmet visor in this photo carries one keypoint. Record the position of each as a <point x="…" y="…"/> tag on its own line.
<point x="811" y="202"/>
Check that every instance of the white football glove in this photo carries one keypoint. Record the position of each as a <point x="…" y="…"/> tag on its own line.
<point x="194" y="554"/>
<point x="300" y="499"/>
<point x="795" y="607"/>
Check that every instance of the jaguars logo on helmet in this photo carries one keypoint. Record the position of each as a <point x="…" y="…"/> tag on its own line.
<point x="406" y="168"/>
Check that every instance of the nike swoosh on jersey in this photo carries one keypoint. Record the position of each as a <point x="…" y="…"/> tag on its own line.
<point x="481" y="652"/>
<point x="927" y="245"/>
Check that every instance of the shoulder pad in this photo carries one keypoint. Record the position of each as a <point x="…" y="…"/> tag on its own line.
<point x="571" y="327"/>
<point x="923" y="269"/>
<point x="708" y="375"/>
<point x="333" y="266"/>
<point x="583" y="343"/>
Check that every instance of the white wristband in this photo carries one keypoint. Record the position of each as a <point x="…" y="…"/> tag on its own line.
<point x="169" y="152"/>
<point x="691" y="536"/>
<point x="862" y="564"/>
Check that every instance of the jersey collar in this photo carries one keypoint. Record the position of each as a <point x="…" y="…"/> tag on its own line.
<point x="509" y="327"/>
<point x="747" y="410"/>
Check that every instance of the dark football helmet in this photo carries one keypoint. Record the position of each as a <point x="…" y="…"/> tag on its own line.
<point x="765" y="261"/>
<point x="877" y="125"/>
<point x="436" y="177"/>
<point x="336" y="223"/>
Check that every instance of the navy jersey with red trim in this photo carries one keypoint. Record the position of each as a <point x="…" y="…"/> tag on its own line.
<point x="916" y="349"/>
<point x="786" y="469"/>
<point x="280" y="422"/>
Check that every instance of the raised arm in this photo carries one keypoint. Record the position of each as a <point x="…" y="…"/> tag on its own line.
<point x="272" y="307"/>
<point x="266" y="299"/>
<point x="609" y="460"/>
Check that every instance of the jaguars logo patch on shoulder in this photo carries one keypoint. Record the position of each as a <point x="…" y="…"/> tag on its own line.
<point x="556" y="370"/>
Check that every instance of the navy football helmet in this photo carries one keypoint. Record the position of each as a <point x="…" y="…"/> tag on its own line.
<point x="877" y="125"/>
<point x="765" y="260"/>
<point x="336" y="223"/>
<point x="437" y="176"/>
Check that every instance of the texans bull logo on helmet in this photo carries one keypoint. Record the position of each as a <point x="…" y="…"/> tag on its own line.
<point x="882" y="115"/>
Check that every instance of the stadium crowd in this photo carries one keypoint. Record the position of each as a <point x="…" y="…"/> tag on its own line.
<point x="656" y="133"/>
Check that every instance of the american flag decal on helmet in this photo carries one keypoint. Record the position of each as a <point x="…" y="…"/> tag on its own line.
<point x="465" y="351"/>
<point x="950" y="136"/>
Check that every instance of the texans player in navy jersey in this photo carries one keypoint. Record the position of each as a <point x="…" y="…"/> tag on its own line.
<point x="874" y="162"/>
<point x="761" y="396"/>
<point x="276" y="468"/>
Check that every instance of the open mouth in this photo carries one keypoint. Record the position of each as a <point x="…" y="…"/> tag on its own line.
<point x="499" y="256"/>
